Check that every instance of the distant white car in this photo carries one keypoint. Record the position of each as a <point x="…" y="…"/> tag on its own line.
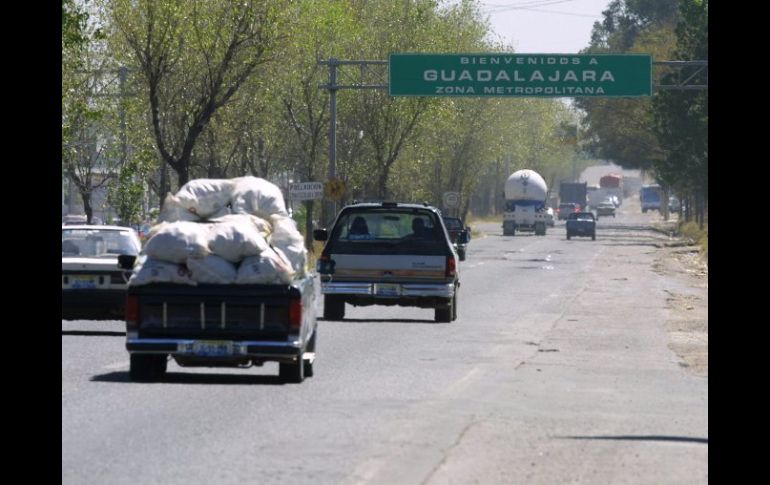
<point x="93" y="287"/>
<point x="606" y="208"/>
<point x="551" y="220"/>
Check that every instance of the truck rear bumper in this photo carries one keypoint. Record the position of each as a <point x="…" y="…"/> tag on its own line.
<point x="403" y="290"/>
<point x="87" y="304"/>
<point x="242" y="348"/>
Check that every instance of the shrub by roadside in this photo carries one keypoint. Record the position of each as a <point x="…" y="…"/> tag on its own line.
<point x="693" y="232"/>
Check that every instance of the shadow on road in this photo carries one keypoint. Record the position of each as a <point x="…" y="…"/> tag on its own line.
<point x="685" y="439"/>
<point x="94" y="333"/>
<point x="188" y="378"/>
<point x="375" y="320"/>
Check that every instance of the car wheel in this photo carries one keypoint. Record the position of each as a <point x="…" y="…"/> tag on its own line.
<point x="334" y="307"/>
<point x="308" y="368"/>
<point x="292" y="372"/>
<point x="443" y="314"/>
<point x="568" y="236"/>
<point x="147" y="367"/>
<point x="454" y="306"/>
<point x="461" y="255"/>
<point x="593" y="237"/>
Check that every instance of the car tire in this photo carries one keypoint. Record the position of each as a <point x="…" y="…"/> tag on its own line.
<point x="308" y="368"/>
<point x="593" y="237"/>
<point x="334" y="307"/>
<point x="292" y="372"/>
<point x="443" y="314"/>
<point x="454" y="306"/>
<point x="568" y="236"/>
<point x="147" y="367"/>
<point x="461" y="255"/>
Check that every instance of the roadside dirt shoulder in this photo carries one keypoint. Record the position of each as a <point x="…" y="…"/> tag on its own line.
<point x="688" y="304"/>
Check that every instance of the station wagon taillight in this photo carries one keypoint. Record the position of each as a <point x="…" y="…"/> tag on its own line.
<point x="451" y="266"/>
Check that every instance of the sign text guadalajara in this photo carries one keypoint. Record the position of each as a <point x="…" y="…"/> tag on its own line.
<point x="539" y="75"/>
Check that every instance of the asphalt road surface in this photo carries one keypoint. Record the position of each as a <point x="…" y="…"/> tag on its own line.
<point x="559" y="369"/>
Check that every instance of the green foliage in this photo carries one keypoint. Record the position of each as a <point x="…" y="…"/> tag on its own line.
<point x="125" y="193"/>
<point x="224" y="89"/>
<point x="681" y="117"/>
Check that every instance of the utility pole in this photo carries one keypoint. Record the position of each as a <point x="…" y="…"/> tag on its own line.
<point x="368" y="69"/>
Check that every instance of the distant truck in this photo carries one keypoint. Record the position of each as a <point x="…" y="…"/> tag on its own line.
<point x="611" y="185"/>
<point x="574" y="192"/>
<point x="650" y="197"/>
<point x="525" y="210"/>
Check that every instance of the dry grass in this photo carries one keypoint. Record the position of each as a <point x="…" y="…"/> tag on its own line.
<point x="693" y="232"/>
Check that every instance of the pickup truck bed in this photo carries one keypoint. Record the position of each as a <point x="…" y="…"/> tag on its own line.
<point x="222" y="325"/>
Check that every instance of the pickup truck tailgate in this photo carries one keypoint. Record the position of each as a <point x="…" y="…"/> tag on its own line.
<point x="414" y="268"/>
<point x="230" y="312"/>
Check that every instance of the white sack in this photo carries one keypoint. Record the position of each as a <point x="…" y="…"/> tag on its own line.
<point x="263" y="226"/>
<point x="155" y="271"/>
<point x="174" y="211"/>
<point x="235" y="238"/>
<point x="212" y="269"/>
<point x="206" y="197"/>
<point x="253" y="195"/>
<point x="270" y="267"/>
<point x="176" y="241"/>
<point x="288" y="239"/>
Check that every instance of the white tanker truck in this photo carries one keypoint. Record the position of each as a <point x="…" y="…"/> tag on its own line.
<point x="525" y="210"/>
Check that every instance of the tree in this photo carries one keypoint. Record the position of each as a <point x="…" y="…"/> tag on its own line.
<point x="621" y="129"/>
<point x="681" y="117"/>
<point x="194" y="57"/>
<point x="87" y="108"/>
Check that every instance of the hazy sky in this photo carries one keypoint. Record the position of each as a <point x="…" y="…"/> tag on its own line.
<point x="544" y="26"/>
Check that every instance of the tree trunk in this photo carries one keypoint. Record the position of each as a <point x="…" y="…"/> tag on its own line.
<point x="87" y="206"/>
<point x="382" y="187"/>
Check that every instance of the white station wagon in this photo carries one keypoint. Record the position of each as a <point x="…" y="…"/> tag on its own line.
<point x="92" y="285"/>
<point x="388" y="254"/>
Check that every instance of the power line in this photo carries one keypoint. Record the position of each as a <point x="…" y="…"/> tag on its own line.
<point x="522" y="5"/>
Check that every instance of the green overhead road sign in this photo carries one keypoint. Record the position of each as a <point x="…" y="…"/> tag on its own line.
<point x="521" y="75"/>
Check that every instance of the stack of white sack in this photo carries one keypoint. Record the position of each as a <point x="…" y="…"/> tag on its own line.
<point x="214" y="231"/>
<point x="288" y="239"/>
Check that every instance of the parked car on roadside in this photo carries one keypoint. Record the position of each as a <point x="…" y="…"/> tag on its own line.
<point x="93" y="287"/>
<point x="673" y="204"/>
<point x="388" y="254"/>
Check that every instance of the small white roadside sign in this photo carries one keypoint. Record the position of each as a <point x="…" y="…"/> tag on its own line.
<point x="306" y="191"/>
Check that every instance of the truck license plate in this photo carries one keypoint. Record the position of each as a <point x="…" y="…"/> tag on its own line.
<point x="386" y="289"/>
<point x="212" y="348"/>
<point x="83" y="282"/>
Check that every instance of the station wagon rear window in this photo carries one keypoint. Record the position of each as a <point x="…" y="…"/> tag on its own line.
<point x="388" y="231"/>
<point x="97" y="243"/>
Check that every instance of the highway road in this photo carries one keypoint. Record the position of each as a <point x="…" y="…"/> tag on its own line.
<point x="559" y="369"/>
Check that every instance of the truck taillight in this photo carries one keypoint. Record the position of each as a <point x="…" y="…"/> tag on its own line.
<point x="451" y="266"/>
<point x="295" y="314"/>
<point x="132" y="311"/>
